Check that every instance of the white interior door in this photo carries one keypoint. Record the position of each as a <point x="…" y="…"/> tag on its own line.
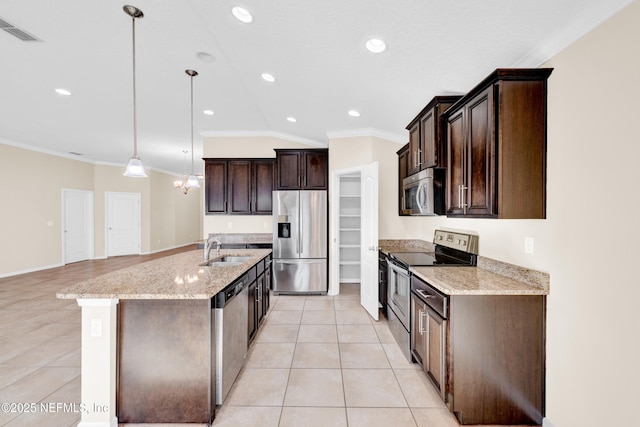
<point x="123" y="224"/>
<point x="369" y="240"/>
<point x="78" y="225"/>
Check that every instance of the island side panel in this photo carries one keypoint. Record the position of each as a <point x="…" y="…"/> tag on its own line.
<point x="166" y="361"/>
<point x="497" y="358"/>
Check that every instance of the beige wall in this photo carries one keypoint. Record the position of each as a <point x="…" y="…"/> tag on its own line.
<point x="593" y="181"/>
<point x="33" y="199"/>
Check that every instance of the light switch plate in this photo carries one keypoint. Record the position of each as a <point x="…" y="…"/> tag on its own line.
<point x="528" y="245"/>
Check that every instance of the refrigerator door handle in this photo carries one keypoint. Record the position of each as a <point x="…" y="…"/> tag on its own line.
<point x="299" y="261"/>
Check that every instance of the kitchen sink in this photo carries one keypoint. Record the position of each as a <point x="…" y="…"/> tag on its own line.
<point x="226" y="261"/>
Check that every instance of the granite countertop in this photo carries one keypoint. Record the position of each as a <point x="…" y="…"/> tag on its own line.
<point x="231" y="238"/>
<point x="474" y="281"/>
<point x="490" y="277"/>
<point x="173" y="277"/>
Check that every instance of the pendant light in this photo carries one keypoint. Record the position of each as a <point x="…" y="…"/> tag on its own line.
<point x="134" y="167"/>
<point x="192" y="180"/>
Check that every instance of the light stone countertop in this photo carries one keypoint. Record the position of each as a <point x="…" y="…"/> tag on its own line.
<point x="173" y="277"/>
<point x="490" y="277"/>
<point x="474" y="281"/>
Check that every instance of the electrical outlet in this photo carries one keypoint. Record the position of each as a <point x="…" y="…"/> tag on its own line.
<point x="528" y="245"/>
<point x="96" y="327"/>
<point x="229" y="225"/>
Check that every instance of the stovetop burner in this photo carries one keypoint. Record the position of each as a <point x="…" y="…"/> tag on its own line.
<point x="425" y="259"/>
<point x="451" y="249"/>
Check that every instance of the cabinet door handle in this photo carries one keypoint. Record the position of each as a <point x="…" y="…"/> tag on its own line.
<point x="419" y="159"/>
<point x="459" y="196"/>
<point x="421" y="329"/>
<point x="464" y="201"/>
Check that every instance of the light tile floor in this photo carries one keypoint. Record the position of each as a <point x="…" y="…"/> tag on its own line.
<point x="323" y="361"/>
<point x="317" y="361"/>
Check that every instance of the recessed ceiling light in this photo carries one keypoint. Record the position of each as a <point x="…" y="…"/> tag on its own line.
<point x="205" y="57"/>
<point x="208" y="112"/>
<point x="64" y="92"/>
<point x="376" y="45"/>
<point x="268" y="77"/>
<point x="291" y="119"/>
<point x="354" y="113"/>
<point x="242" y="14"/>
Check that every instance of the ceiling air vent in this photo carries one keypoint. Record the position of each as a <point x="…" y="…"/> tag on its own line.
<point x="17" y="32"/>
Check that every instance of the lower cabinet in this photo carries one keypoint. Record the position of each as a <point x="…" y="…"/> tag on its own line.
<point x="383" y="279"/>
<point x="166" y="361"/>
<point x="486" y="358"/>
<point x="259" y="296"/>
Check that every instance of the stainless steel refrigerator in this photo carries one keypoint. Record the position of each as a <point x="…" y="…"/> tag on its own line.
<point x="300" y="242"/>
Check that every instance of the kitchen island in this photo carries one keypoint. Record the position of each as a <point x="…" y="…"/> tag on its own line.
<point x="148" y="338"/>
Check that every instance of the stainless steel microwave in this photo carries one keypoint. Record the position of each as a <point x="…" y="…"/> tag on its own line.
<point x="423" y="193"/>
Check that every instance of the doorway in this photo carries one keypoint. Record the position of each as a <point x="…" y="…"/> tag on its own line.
<point x="354" y="219"/>
<point x="78" y="229"/>
<point x="123" y="233"/>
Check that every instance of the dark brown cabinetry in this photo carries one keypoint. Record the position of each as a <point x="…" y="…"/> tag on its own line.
<point x="428" y="342"/>
<point x="259" y="296"/>
<point x="166" y="361"/>
<point x="239" y="186"/>
<point x="486" y="357"/>
<point x="496" y="145"/>
<point x="403" y="172"/>
<point x="426" y="132"/>
<point x="302" y="169"/>
<point x="383" y="281"/>
<point x="215" y="173"/>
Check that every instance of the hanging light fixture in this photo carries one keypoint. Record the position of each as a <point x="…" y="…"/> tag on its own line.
<point x="134" y="167"/>
<point x="183" y="182"/>
<point x="192" y="180"/>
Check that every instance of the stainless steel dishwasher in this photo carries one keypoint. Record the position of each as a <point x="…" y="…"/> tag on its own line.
<point x="231" y="333"/>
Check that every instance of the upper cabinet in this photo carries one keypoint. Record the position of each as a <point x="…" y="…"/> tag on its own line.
<point x="302" y="169"/>
<point x="496" y="145"/>
<point x="239" y="186"/>
<point x="426" y="135"/>
<point x="403" y="172"/>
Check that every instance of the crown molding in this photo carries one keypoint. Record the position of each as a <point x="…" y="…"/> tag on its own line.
<point x="369" y="132"/>
<point x="264" y="133"/>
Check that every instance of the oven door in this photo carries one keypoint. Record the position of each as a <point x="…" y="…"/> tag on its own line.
<point x="399" y="293"/>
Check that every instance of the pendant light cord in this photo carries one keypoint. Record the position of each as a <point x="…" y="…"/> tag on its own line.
<point x="191" y="124"/>
<point x="135" y="118"/>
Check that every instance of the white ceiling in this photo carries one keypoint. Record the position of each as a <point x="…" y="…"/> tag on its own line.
<point x="315" y="49"/>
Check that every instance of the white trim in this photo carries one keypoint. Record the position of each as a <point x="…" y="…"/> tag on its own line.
<point x="371" y="132"/>
<point x="78" y="158"/>
<point x="112" y="423"/>
<point x="29" y="270"/>
<point x="557" y="42"/>
<point x="264" y="133"/>
<point x="45" y="151"/>
<point x="97" y="302"/>
<point x="546" y="422"/>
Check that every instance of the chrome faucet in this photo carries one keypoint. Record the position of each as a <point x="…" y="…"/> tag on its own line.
<point x="207" y="247"/>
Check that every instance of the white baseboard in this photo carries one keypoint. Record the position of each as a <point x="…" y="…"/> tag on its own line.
<point x="168" y="249"/>
<point x="111" y="423"/>
<point x="30" y="270"/>
<point x="546" y="423"/>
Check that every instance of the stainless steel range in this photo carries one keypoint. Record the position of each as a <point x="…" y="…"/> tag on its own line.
<point x="451" y="249"/>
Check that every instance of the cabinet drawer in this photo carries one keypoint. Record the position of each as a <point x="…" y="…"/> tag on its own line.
<point x="430" y="296"/>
